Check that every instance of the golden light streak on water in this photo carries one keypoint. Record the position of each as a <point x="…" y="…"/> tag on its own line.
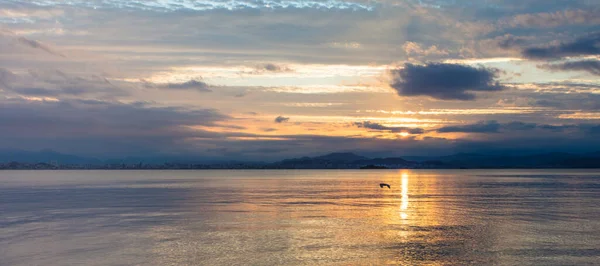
<point x="404" y="196"/>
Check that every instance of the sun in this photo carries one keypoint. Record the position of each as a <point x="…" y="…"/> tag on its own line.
<point x="404" y="134"/>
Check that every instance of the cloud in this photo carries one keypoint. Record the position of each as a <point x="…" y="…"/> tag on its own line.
<point x="190" y="85"/>
<point x="37" y="92"/>
<point x="413" y="48"/>
<point x="509" y="41"/>
<point x="593" y="129"/>
<point x="557" y="128"/>
<point x="193" y="84"/>
<point x="553" y="19"/>
<point x="54" y="83"/>
<point x="194" y="5"/>
<point x="101" y="126"/>
<point x="493" y="126"/>
<point x="444" y="81"/>
<point x="6" y="77"/>
<point x="270" y="67"/>
<point x="547" y="103"/>
<point x="38" y="45"/>
<point x="377" y="126"/>
<point x="281" y="119"/>
<point x="517" y="125"/>
<point x="107" y="114"/>
<point x="490" y="126"/>
<point x="586" y="45"/>
<point x="135" y="39"/>
<point x="590" y="66"/>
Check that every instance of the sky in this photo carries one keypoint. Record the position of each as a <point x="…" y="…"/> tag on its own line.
<point x="274" y="79"/>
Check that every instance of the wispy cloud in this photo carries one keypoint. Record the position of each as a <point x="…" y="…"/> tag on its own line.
<point x="581" y="116"/>
<point x="195" y="85"/>
<point x="37" y="45"/>
<point x="590" y="66"/>
<point x="377" y="126"/>
<point x="203" y="5"/>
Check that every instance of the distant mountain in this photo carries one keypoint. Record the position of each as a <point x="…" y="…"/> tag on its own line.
<point x="48" y="159"/>
<point x="341" y="157"/>
<point x="340" y="161"/>
<point x="460" y="160"/>
<point x="43" y="156"/>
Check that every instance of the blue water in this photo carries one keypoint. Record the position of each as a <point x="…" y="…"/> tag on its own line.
<point x="433" y="217"/>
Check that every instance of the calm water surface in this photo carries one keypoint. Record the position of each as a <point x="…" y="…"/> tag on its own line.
<point x="466" y="217"/>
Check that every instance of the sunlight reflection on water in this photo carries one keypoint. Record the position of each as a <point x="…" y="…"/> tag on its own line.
<point x="299" y="217"/>
<point x="404" y="198"/>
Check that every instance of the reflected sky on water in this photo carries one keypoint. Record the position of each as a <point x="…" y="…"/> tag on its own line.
<point x="299" y="217"/>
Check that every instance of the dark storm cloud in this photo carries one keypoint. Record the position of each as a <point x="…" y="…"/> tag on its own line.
<point x="281" y="119"/>
<point x="377" y="126"/>
<point x="590" y="66"/>
<point x="196" y="85"/>
<point x="444" y="81"/>
<point x="586" y="45"/>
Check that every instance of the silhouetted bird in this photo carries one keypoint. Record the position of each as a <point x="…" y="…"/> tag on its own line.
<point x="384" y="185"/>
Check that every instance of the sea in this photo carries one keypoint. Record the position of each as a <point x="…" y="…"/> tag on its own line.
<point x="300" y="217"/>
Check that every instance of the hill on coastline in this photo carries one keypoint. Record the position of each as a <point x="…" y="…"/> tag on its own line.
<point x="346" y="160"/>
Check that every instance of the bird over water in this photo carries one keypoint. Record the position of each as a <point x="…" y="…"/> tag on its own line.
<point x="381" y="185"/>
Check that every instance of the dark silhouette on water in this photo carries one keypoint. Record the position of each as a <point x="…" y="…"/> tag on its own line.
<point x="384" y="185"/>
